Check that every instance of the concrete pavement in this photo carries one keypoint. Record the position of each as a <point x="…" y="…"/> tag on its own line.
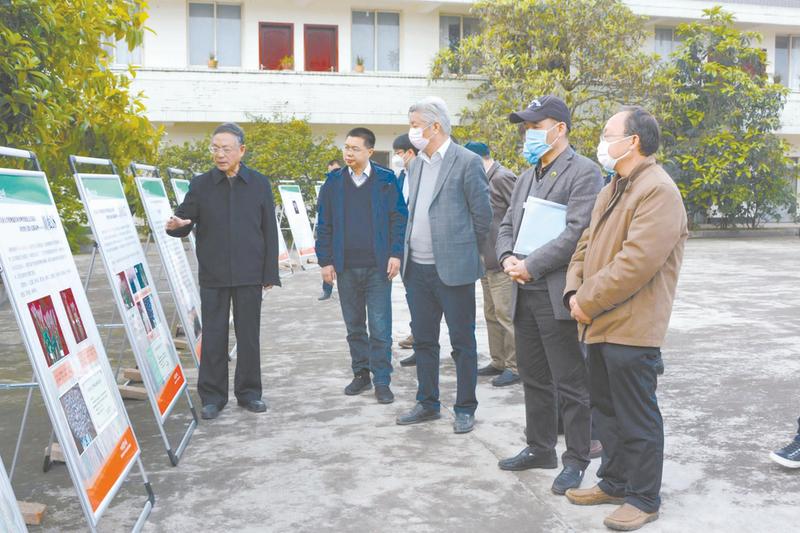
<point x="321" y="461"/>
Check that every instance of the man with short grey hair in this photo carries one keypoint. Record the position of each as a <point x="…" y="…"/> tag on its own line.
<point x="231" y="200"/>
<point x="449" y="218"/>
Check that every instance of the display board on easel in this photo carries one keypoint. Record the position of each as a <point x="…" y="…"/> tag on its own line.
<point x="63" y="343"/>
<point x="294" y="210"/>
<point x="173" y="257"/>
<point x="11" y="520"/>
<point x="180" y="187"/>
<point x="136" y="296"/>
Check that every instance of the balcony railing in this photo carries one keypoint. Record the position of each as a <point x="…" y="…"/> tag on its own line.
<point x="202" y="95"/>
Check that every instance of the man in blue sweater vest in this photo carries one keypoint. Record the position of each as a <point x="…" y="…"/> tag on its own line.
<point x="360" y="230"/>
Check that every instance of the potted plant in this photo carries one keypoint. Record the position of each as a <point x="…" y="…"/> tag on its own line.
<point x="286" y="63"/>
<point x="212" y="60"/>
<point x="359" y="64"/>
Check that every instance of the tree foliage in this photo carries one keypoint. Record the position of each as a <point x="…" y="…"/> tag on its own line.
<point x="58" y="95"/>
<point x="589" y="52"/>
<point x="719" y="111"/>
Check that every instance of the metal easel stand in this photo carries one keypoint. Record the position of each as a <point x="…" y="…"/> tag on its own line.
<point x="174" y="456"/>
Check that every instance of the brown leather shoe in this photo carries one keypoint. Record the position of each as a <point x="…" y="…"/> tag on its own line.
<point x="592" y="496"/>
<point x="628" y="518"/>
<point x="407" y="343"/>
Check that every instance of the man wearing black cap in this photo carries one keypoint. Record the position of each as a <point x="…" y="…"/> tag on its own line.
<point x="496" y="284"/>
<point x="549" y="357"/>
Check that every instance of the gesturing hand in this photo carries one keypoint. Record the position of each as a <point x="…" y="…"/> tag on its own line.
<point x="174" y="223"/>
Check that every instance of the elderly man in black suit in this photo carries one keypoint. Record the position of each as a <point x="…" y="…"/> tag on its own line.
<point x="233" y="209"/>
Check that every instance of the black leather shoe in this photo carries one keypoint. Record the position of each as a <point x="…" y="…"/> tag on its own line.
<point x="569" y="478"/>
<point x="324" y="296"/>
<point x="254" y="406"/>
<point x="527" y="459"/>
<point x="210" y="412"/>
<point x="463" y="423"/>
<point x="489" y="370"/>
<point x="360" y="383"/>
<point x="411" y="360"/>
<point x="416" y="415"/>
<point x="384" y="394"/>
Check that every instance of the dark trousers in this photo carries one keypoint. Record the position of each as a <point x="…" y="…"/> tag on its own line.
<point x="429" y="298"/>
<point x="365" y="295"/>
<point x="628" y="422"/>
<point x="212" y="381"/>
<point x="554" y="377"/>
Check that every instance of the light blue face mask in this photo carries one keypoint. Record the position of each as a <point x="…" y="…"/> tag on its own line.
<point x="535" y="145"/>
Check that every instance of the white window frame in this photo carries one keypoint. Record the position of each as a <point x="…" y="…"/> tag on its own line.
<point x="787" y="83"/>
<point x="241" y="31"/>
<point x="674" y="40"/>
<point x="375" y="36"/>
<point x="461" y="18"/>
<point x="111" y="49"/>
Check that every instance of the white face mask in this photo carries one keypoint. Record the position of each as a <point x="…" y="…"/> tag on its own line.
<point x="416" y="138"/>
<point x="398" y="164"/>
<point x="606" y="160"/>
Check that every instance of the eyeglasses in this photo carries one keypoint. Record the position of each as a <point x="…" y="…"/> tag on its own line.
<point x="226" y="150"/>
<point x="352" y="149"/>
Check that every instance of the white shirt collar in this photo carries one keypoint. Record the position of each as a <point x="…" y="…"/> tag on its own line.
<point x="367" y="170"/>
<point x="441" y="151"/>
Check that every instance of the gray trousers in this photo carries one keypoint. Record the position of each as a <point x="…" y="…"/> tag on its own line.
<point x="497" y="287"/>
<point x="553" y="372"/>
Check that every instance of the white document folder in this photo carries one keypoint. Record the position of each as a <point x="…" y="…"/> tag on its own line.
<point x="542" y="221"/>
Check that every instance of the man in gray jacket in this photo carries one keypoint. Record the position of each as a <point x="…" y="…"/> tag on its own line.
<point x="449" y="218"/>
<point x="497" y="285"/>
<point x="549" y="357"/>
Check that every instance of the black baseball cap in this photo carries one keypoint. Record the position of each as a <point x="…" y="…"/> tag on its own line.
<point x="545" y="107"/>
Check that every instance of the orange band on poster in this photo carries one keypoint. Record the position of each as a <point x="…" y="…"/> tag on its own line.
<point x="284" y="256"/>
<point x="123" y="453"/>
<point x="307" y="251"/>
<point x="170" y="390"/>
<point x="198" y="348"/>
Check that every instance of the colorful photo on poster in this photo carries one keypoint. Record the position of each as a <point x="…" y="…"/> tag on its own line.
<point x="78" y="418"/>
<point x="75" y="320"/>
<point x="151" y="314"/>
<point x="140" y="275"/>
<point x="125" y="290"/>
<point x="148" y="326"/>
<point x="48" y="329"/>
<point x="131" y="275"/>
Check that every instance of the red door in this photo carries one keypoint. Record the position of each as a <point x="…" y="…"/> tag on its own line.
<point x="322" y="48"/>
<point x="275" y="42"/>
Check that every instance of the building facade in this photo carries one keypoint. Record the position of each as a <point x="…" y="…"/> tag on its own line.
<point x="342" y="63"/>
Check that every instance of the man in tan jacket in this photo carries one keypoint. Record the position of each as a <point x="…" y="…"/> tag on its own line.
<point x="620" y="288"/>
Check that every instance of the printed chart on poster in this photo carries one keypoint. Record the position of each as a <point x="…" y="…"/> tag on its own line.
<point x="11" y="520"/>
<point x="181" y="189"/>
<point x="132" y="283"/>
<point x="295" y="211"/>
<point x="63" y="342"/>
<point x="173" y="257"/>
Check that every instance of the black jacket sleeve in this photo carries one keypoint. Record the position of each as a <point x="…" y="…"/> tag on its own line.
<point x="189" y="209"/>
<point x="269" y="227"/>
